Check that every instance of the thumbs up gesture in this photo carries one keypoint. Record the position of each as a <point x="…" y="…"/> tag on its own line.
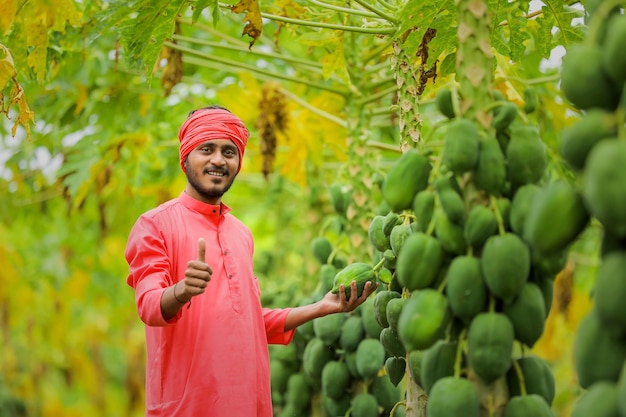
<point x="198" y="273"/>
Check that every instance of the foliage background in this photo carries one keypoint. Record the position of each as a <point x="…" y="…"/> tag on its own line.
<point x="101" y="149"/>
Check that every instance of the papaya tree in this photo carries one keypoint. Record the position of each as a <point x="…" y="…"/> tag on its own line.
<point x="426" y="126"/>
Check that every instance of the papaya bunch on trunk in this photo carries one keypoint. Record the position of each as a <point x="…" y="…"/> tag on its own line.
<point x="594" y="80"/>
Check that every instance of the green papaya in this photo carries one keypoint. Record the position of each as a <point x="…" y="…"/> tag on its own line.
<point x="584" y="81"/>
<point x="598" y="354"/>
<point x="321" y="249"/>
<point x="316" y="354"/>
<point x="490" y="174"/>
<point x="600" y="400"/>
<point x="453" y="396"/>
<point x="279" y="375"/>
<point x="371" y="326"/>
<point x="407" y="177"/>
<point x="521" y="205"/>
<point x="538" y="378"/>
<point x="376" y="234"/>
<point x="531" y="100"/>
<point x="450" y="200"/>
<point x="504" y="115"/>
<point x="339" y="198"/>
<point x="391" y="220"/>
<point x="298" y="392"/>
<point x="370" y="358"/>
<point x="328" y="328"/>
<point x="395" y="368"/>
<point x="335" y="379"/>
<point x="419" y="262"/>
<point x="352" y="332"/>
<point x="480" y="225"/>
<point x="364" y="405"/>
<point x="384" y="274"/>
<point x="505" y="265"/>
<point x="527" y="313"/>
<point x="449" y="234"/>
<point x="415" y="365"/>
<point x="327" y="277"/>
<point x="603" y="185"/>
<point x="390" y="340"/>
<point x="490" y="345"/>
<point x="360" y="272"/>
<point x="526" y="156"/>
<point x="465" y="288"/>
<point x="423" y="319"/>
<point x="557" y="217"/>
<point x="578" y="140"/>
<point x="394" y="308"/>
<point x="423" y="207"/>
<point x="333" y="407"/>
<point x="387" y="395"/>
<point x="381" y="299"/>
<point x="461" y="147"/>
<point x="613" y="57"/>
<point x="437" y="362"/>
<point x="443" y="102"/>
<point x="528" y="405"/>
<point x="399" y="235"/>
<point x="610" y="292"/>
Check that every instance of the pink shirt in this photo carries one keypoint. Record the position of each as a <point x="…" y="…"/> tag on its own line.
<point x="210" y="359"/>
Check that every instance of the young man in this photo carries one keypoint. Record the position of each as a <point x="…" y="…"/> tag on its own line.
<point x="191" y="268"/>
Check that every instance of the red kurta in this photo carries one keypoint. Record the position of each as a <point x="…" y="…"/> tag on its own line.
<point x="211" y="359"/>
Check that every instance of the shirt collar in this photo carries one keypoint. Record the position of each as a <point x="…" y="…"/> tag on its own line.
<point x="204" y="208"/>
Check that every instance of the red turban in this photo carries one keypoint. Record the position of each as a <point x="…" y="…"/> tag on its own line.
<point x="209" y="124"/>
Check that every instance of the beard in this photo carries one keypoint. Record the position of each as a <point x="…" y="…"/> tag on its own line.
<point x="208" y="193"/>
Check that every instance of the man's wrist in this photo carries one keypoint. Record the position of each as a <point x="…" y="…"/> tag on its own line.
<point x="183" y="302"/>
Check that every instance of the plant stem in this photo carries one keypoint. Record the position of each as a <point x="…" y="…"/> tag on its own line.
<point x="208" y="60"/>
<point x="313" y="109"/>
<point x="382" y="14"/>
<point x="246" y="49"/>
<point x="344" y="9"/>
<point x="299" y="22"/>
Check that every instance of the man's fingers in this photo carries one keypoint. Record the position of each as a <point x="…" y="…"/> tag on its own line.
<point x="201" y="250"/>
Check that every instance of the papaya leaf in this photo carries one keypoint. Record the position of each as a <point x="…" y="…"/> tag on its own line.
<point x="143" y="35"/>
<point x="254" y="23"/>
<point x="203" y="4"/>
<point x="7" y="66"/>
<point x="9" y="10"/>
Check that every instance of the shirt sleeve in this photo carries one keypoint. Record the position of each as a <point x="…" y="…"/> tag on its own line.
<point x="149" y="271"/>
<point x="274" y="319"/>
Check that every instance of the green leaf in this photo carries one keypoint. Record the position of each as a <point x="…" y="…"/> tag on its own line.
<point x="151" y="23"/>
<point x="203" y="4"/>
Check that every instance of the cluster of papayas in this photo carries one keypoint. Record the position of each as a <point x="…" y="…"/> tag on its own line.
<point x="594" y="80"/>
<point x="465" y="283"/>
<point x="336" y="360"/>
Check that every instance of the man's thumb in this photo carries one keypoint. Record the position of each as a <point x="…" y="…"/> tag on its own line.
<point x="201" y="250"/>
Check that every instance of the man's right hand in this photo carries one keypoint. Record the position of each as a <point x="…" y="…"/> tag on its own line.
<point x="197" y="275"/>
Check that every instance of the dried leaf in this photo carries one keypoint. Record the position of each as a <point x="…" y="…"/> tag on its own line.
<point x="254" y="23"/>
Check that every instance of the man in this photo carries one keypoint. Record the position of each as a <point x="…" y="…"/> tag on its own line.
<point x="209" y="358"/>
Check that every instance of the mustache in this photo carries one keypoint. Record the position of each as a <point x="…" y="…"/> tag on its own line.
<point x="207" y="170"/>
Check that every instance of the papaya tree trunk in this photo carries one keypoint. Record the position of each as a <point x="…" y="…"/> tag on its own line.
<point x="475" y="78"/>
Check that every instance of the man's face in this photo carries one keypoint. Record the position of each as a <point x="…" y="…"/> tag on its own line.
<point x="211" y="169"/>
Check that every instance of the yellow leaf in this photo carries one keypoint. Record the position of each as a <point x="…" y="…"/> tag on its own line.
<point x="37" y="37"/>
<point x="9" y="9"/>
<point x="254" y="23"/>
<point x="7" y="66"/>
<point x="335" y="63"/>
